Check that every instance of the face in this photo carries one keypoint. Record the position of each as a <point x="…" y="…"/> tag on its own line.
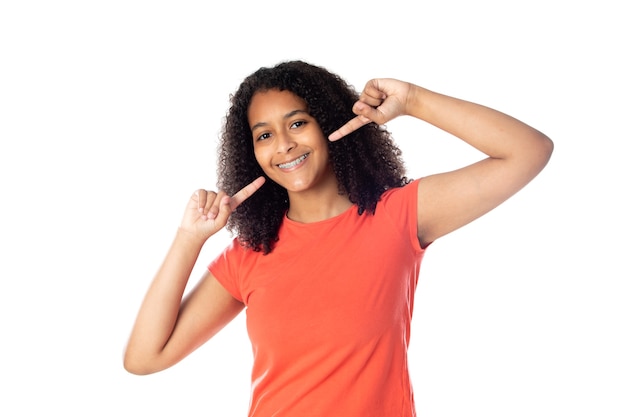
<point x="288" y="143"/>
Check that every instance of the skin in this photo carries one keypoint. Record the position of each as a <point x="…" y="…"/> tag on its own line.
<point x="168" y="329"/>
<point x="284" y="132"/>
<point x="516" y="152"/>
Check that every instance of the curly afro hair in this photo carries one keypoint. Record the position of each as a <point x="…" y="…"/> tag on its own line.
<point x="366" y="162"/>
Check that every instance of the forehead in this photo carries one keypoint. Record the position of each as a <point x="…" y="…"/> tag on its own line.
<point x="273" y="103"/>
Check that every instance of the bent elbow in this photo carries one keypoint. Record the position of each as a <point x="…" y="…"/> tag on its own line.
<point x="137" y="364"/>
<point x="134" y="367"/>
<point x="548" y="147"/>
<point x="539" y="153"/>
<point x="545" y="150"/>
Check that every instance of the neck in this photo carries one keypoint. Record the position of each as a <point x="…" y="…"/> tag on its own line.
<point x="314" y="207"/>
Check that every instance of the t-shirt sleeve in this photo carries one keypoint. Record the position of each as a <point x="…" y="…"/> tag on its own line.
<point x="224" y="268"/>
<point x="401" y="205"/>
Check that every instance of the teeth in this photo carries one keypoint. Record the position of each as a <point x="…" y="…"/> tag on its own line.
<point x="294" y="162"/>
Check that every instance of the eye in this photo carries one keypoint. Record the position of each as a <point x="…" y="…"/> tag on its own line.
<point x="298" y="124"/>
<point x="263" y="136"/>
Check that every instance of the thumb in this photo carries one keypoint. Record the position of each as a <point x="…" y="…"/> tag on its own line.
<point x="367" y="113"/>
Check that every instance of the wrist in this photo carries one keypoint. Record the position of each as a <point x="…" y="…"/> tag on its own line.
<point x="415" y="98"/>
<point x="189" y="239"/>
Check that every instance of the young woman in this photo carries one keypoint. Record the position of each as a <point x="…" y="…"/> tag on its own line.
<point x="329" y="237"/>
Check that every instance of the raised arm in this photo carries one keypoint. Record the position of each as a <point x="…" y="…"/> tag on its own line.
<point x="167" y="328"/>
<point x="515" y="152"/>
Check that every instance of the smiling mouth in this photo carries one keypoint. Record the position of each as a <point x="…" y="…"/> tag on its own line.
<point x="293" y="163"/>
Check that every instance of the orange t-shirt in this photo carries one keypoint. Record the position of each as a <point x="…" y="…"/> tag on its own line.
<point x="329" y="312"/>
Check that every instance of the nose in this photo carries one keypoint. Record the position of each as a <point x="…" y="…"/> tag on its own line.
<point x="285" y="143"/>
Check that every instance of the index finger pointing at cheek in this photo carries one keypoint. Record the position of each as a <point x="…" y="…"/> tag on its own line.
<point x="243" y="194"/>
<point x="352" y="125"/>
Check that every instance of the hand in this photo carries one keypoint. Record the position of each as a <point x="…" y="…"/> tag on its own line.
<point x="382" y="100"/>
<point x="207" y="212"/>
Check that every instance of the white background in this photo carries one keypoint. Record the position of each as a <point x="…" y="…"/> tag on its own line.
<point x="109" y="116"/>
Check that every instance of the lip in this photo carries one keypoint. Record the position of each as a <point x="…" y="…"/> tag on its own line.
<point x="293" y="163"/>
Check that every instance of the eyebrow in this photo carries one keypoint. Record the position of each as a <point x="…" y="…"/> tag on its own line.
<point x="286" y="116"/>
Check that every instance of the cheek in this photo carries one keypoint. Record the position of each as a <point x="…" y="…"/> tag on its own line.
<point x="263" y="160"/>
<point x="260" y="156"/>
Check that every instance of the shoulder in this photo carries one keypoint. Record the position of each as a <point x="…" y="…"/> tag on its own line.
<point x="399" y="206"/>
<point x="400" y="195"/>
<point x="231" y="257"/>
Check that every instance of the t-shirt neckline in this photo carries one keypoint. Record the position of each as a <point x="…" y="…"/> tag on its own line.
<point x="333" y="219"/>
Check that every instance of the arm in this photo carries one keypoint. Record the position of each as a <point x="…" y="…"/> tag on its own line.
<point x="167" y="329"/>
<point x="515" y="152"/>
